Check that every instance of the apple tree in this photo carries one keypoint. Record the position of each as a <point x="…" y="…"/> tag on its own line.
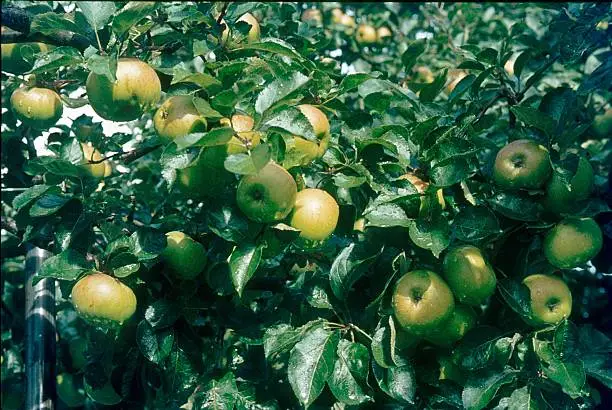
<point x="255" y="205"/>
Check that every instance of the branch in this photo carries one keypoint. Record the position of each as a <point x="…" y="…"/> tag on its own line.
<point x="486" y="107"/>
<point x="223" y="11"/>
<point x="129" y="156"/>
<point x="21" y="21"/>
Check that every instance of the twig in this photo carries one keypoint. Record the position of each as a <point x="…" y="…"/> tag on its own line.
<point x="486" y="107"/>
<point x="223" y="11"/>
<point x="129" y="156"/>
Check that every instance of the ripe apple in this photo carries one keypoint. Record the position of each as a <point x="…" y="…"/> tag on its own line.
<point x="509" y="66"/>
<point x="253" y="34"/>
<point x="423" y="75"/>
<point x="522" y="164"/>
<point x="15" y="56"/>
<point x="183" y="256"/>
<point x="103" y="300"/>
<point x="267" y="196"/>
<point x="366" y="34"/>
<point x="313" y="15"/>
<point x="602" y="124"/>
<point x="422" y="301"/>
<point x="454" y="328"/>
<point x="98" y="170"/>
<point x="469" y="275"/>
<point x="383" y="34"/>
<point x="573" y="242"/>
<point x="551" y="299"/>
<point x="136" y="90"/>
<point x="348" y="22"/>
<point x="300" y="151"/>
<point x="315" y="214"/>
<point x="178" y="117"/>
<point x="337" y="15"/>
<point x="206" y="177"/>
<point x="69" y="391"/>
<point x="247" y="138"/>
<point x="561" y="199"/>
<point x="38" y="108"/>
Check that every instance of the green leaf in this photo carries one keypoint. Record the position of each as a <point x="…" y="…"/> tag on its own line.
<point x="29" y="195"/>
<point x="68" y="265"/>
<point x="349" y="266"/>
<point x="462" y="87"/>
<point x="413" y="51"/>
<point x="431" y="234"/>
<point x="131" y="14"/>
<point x="397" y="382"/>
<point x="352" y="81"/>
<point x="216" y="136"/>
<point x="281" y="338"/>
<point x="383" y="343"/>
<point x="596" y="349"/>
<point x="278" y="90"/>
<point x="124" y="264"/>
<point x="155" y="345"/>
<point x="243" y="263"/>
<point x="56" y="58"/>
<point x="481" y="387"/>
<point x="274" y="45"/>
<point x="50" y="23"/>
<point x="147" y="244"/>
<point x="517" y="296"/>
<point x="205" y="81"/>
<point x="162" y="313"/>
<point x="205" y="109"/>
<point x="292" y="121"/>
<point x="350" y="373"/>
<point x="534" y="118"/>
<point x="484" y="347"/>
<point x="248" y="164"/>
<point x="103" y="65"/>
<point x="474" y="224"/>
<point x="523" y="399"/>
<point x="228" y="223"/>
<point x="218" y="395"/>
<point x="387" y="215"/>
<point x="311" y="364"/>
<point x="430" y="91"/>
<point x="97" y="14"/>
<point x="105" y="395"/>
<point x="521" y="61"/>
<point x="568" y="373"/>
<point x="49" y="203"/>
<point x="516" y="206"/>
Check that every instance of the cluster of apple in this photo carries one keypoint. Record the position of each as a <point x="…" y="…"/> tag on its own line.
<point x="366" y="34"/>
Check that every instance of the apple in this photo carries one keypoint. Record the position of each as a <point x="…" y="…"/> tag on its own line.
<point x="206" y="177"/>
<point x="422" y="301"/>
<point x="469" y="275"/>
<point x="103" y="300"/>
<point x="38" y="108"/>
<point x="178" y="117"/>
<point x="522" y="164"/>
<point x="551" y="299"/>
<point x="315" y="214"/>
<point x="98" y="170"/>
<point x="348" y="22"/>
<point x="313" y="15"/>
<point x="337" y="15"/>
<point x="247" y="138"/>
<point x="454" y="77"/>
<point x="253" y="34"/>
<point x="16" y="56"/>
<point x="69" y="391"/>
<point x="560" y="198"/>
<point x="300" y="151"/>
<point x="183" y="256"/>
<point x="383" y="34"/>
<point x="423" y="75"/>
<point x="267" y="196"/>
<point x="136" y="90"/>
<point x="602" y="124"/>
<point x="509" y="66"/>
<point x="366" y="34"/>
<point x="454" y="328"/>
<point x="573" y="242"/>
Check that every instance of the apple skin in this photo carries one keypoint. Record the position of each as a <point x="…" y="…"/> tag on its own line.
<point x="313" y="15"/>
<point x="315" y="214"/>
<point x="573" y="242"/>
<point x="422" y="301"/>
<point x="183" y="256"/>
<point x="454" y="328"/>
<point x="300" y="151"/>
<point x="551" y="299"/>
<point x="97" y="171"/>
<point x="12" y="58"/>
<point x="102" y="299"/>
<point x="366" y="34"/>
<point x="522" y="164"/>
<point x="267" y="196"/>
<point x="38" y="108"/>
<point x="243" y="125"/>
<point x="454" y="76"/>
<point x="602" y="124"/>
<point x="383" y="34"/>
<point x="178" y="117"/>
<point x="254" y="32"/>
<point x="469" y="275"/>
<point x="559" y="199"/>
<point x="136" y="90"/>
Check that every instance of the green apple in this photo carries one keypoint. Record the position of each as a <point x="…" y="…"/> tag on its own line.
<point x="522" y="164"/>
<point x="38" y="108"/>
<point x="183" y="256"/>
<point x="300" y="151"/>
<point x="602" y="124"/>
<point x="315" y="214"/>
<point x="177" y="117"/>
<point x="454" y="328"/>
<point x="15" y="56"/>
<point x="560" y="198"/>
<point x="551" y="299"/>
<point x="267" y="196"/>
<point x="573" y="242"/>
<point x="469" y="275"/>
<point x="422" y="301"/>
<point x="69" y="391"/>
<point x="136" y="90"/>
<point x="102" y="299"/>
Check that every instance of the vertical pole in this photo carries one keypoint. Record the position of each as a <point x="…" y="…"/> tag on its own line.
<point x="40" y="343"/>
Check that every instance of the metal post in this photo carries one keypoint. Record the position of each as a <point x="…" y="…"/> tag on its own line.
<point x="40" y="343"/>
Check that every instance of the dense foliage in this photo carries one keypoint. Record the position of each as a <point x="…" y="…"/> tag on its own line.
<point x="250" y="302"/>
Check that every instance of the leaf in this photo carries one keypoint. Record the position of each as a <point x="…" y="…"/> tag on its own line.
<point x="387" y="215"/>
<point x="383" y="343"/>
<point x="276" y="46"/>
<point x="595" y="352"/>
<point x="569" y="374"/>
<point x="155" y="345"/>
<point x="248" y="164"/>
<point x="97" y="14"/>
<point x="124" y="264"/>
<point x="28" y="196"/>
<point x="105" y="395"/>
<point x="474" y="224"/>
<point x="243" y="263"/>
<point x="162" y="313"/>
<point x="311" y="364"/>
<point x="534" y="118"/>
<point x="56" y="58"/>
<point x="277" y="90"/>
<point x="516" y="206"/>
<point x="484" y="347"/>
<point x="462" y="87"/>
<point x="50" y="23"/>
<point x="147" y="243"/>
<point x="523" y="399"/>
<point x="292" y="121"/>
<point x="349" y="266"/>
<point x="131" y="14"/>
<point x="103" y="65"/>
<point x="67" y="265"/>
<point x="521" y="61"/>
<point x="397" y="382"/>
<point x="281" y="338"/>
<point x="350" y="373"/>
<point x="481" y="387"/>
<point x="352" y="81"/>
<point x="216" y="136"/>
<point x="565" y="340"/>
<point x="218" y="394"/>
<point x="432" y="235"/>
<point x="413" y="51"/>
<point x="517" y="296"/>
<point x="228" y="223"/>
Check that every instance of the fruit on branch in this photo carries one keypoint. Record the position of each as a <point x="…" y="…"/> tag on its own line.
<point x="422" y="301"/>
<point x="299" y="150"/>
<point x="103" y="300"/>
<point x="178" y="117"/>
<point x="366" y="34"/>
<point x="573" y="242"/>
<point x="454" y="328"/>
<point x="246" y="138"/>
<point x="315" y="214"/>
<point x="17" y="58"/>
<point x="522" y="164"/>
<point x="423" y="75"/>
<point x="562" y="198"/>
<point x="313" y="15"/>
<point x="469" y="275"/>
<point x="136" y="89"/>
<point x="267" y="196"/>
<point x="602" y="124"/>
<point x="551" y="299"/>
<point x="184" y="256"/>
<point x="383" y="34"/>
<point x="38" y="108"/>
<point x="252" y="36"/>
<point x="91" y="154"/>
